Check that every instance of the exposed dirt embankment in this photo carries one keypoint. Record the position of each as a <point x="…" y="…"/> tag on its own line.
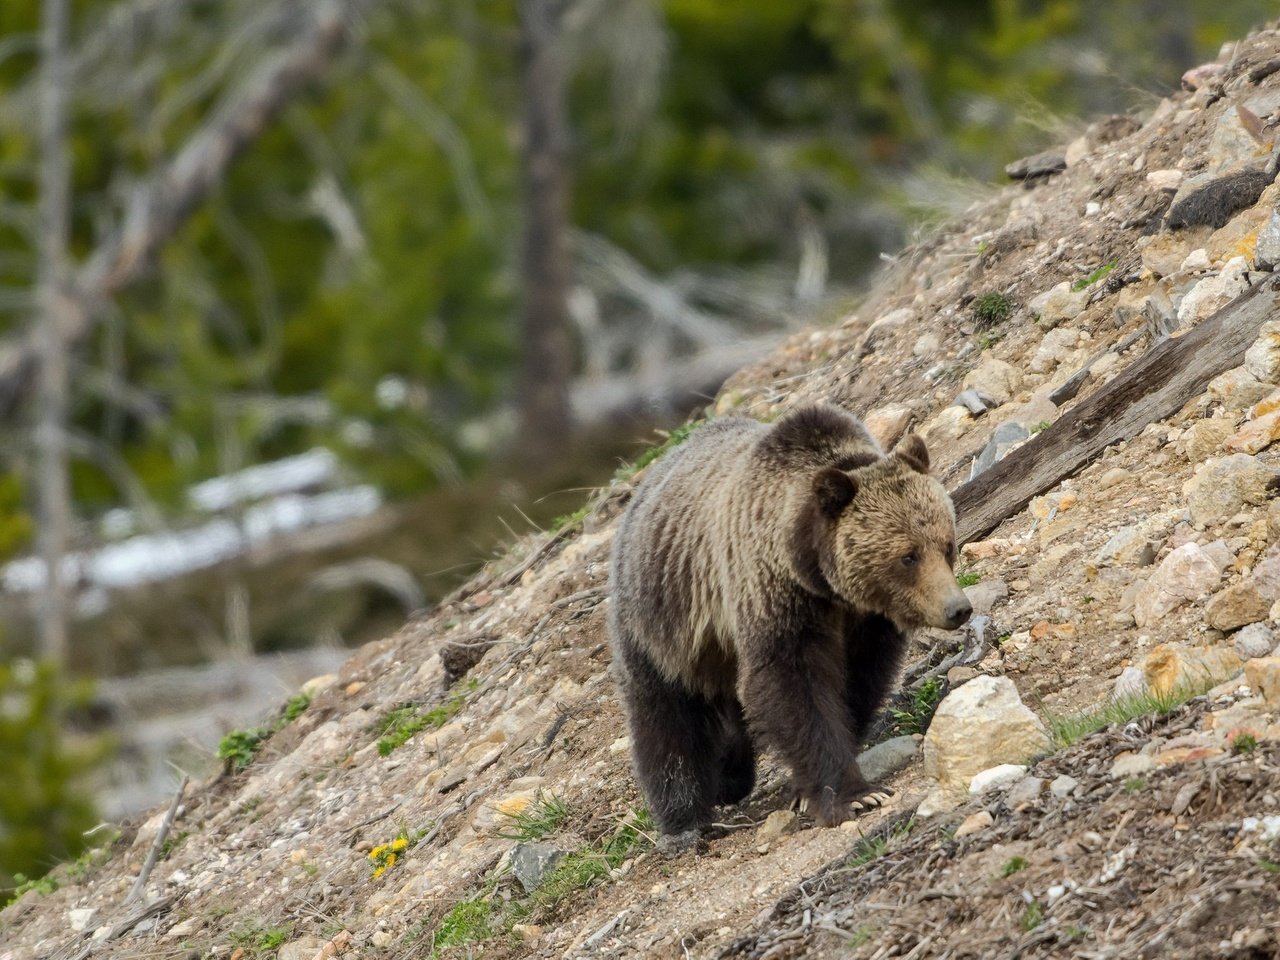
<point x="1148" y="575"/>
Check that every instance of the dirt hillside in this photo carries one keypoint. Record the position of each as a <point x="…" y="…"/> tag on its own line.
<point x="1129" y="607"/>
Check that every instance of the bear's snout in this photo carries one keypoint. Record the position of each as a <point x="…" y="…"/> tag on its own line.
<point x="957" y="611"/>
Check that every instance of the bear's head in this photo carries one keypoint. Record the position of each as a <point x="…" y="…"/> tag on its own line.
<point x="884" y="539"/>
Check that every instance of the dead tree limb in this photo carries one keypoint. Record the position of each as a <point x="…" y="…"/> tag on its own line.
<point x="162" y="203"/>
<point x="1152" y="388"/>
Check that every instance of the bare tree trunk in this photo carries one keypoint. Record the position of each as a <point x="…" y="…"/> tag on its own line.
<point x="54" y="510"/>
<point x="546" y="360"/>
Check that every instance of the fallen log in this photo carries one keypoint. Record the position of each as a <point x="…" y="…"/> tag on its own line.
<point x="1152" y="388"/>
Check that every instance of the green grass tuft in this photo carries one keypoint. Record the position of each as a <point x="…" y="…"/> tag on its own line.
<point x="239" y="747"/>
<point x="1091" y="279"/>
<point x="968" y="578"/>
<point x="1033" y="916"/>
<point x="1067" y="729"/>
<point x="1244" y="743"/>
<point x="915" y="718"/>
<point x="673" y="439"/>
<point x="469" y="921"/>
<point x="992" y="308"/>
<point x="398" y="725"/>
<point x="1013" y="866"/>
<point x="542" y="817"/>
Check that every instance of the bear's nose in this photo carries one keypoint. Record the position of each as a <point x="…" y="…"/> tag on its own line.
<point x="958" y="611"/>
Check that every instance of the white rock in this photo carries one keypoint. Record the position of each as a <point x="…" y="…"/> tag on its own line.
<point x="1213" y="293"/>
<point x="1058" y="304"/>
<point x="81" y="918"/>
<point x="995" y="380"/>
<point x="1010" y="732"/>
<point x="995" y="777"/>
<point x="1222" y="487"/>
<point x="886" y="326"/>
<point x="1063" y="786"/>
<point x="1187" y="574"/>
<point x="1131" y="683"/>
<point x="1056" y="347"/>
<point x="1262" y="359"/>
<point x="1165" y="179"/>
<point x="1254" y="640"/>
<point x="1197" y="261"/>
<point x="926" y="345"/>
<point x="951" y="423"/>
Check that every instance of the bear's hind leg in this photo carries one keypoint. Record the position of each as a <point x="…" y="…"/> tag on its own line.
<point x="737" y="757"/>
<point x="673" y="746"/>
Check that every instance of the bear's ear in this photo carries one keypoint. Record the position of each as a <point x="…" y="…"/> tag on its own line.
<point x="834" y="490"/>
<point x="912" y="451"/>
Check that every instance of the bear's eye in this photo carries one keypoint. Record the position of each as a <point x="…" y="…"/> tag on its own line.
<point x="911" y="559"/>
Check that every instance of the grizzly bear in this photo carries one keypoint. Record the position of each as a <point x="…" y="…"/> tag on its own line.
<point x="762" y="580"/>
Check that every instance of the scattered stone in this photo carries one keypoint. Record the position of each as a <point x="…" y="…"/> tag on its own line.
<point x="1263" y="675"/>
<point x="1197" y="261"/>
<point x="953" y="755"/>
<point x="926" y="345"/>
<point x="970" y="400"/>
<point x="985" y="549"/>
<point x="532" y="861"/>
<point x="1132" y="765"/>
<point x="1237" y="389"/>
<point x="1168" y="180"/>
<point x="1184" y="576"/>
<point x="1213" y="293"/>
<point x="1267" y="250"/>
<point x="888" y="423"/>
<point x="1130" y="546"/>
<point x="1003" y="440"/>
<point x="882" y="761"/>
<point x="974" y="823"/>
<point x="1131" y="683"/>
<point x="1112" y="477"/>
<point x="528" y="932"/>
<point x="885" y="327"/>
<point x="1057" y="347"/>
<point x="1173" y="666"/>
<point x="1254" y="640"/>
<point x="995" y="379"/>
<point x="1058" y="305"/>
<point x="1219" y="553"/>
<point x="1042" y="164"/>
<point x="495" y="813"/>
<point x="1248" y="601"/>
<point x="1063" y="786"/>
<point x="1262" y="359"/>
<point x="951" y="423"/>
<point x="1204" y="437"/>
<point x="985" y="595"/>
<point x="1256" y="435"/>
<point x="1223" y="486"/>
<point x="778" y="823"/>
<point x="1025" y="792"/>
<point x="81" y="918"/>
<point x="304" y="948"/>
<point x="996" y="778"/>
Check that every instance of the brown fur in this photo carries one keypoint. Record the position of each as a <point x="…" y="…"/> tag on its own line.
<point x="759" y="598"/>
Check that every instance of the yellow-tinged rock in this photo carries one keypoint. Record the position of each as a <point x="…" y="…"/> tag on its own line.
<point x="1266" y="405"/>
<point x="1255" y="435"/>
<point x="1175" y="666"/>
<point x="1263" y="675"/>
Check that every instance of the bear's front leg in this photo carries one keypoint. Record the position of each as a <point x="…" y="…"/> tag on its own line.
<point x="792" y="687"/>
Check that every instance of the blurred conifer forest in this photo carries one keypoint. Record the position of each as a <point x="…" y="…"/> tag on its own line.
<point x="301" y="224"/>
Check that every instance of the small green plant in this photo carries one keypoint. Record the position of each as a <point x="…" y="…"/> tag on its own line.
<point x="42" y="885"/>
<point x="988" y="339"/>
<point x="860" y="936"/>
<point x="256" y="939"/>
<point x="1039" y="427"/>
<point x="876" y="845"/>
<point x="1071" y="728"/>
<point x="570" y="519"/>
<point x="991" y="309"/>
<point x="238" y="748"/>
<point x="1013" y="866"/>
<point x="468" y="921"/>
<point x="1134" y="784"/>
<point x="1270" y="866"/>
<point x="543" y="816"/>
<point x="915" y="717"/>
<point x="403" y="722"/>
<point x="1244" y="743"/>
<point x="673" y="439"/>
<point x="968" y="578"/>
<point x="1032" y="916"/>
<point x="1091" y="279"/>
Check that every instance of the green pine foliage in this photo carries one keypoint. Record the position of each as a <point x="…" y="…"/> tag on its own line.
<point x="45" y="807"/>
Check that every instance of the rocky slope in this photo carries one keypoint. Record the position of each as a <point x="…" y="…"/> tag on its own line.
<point x="438" y="773"/>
